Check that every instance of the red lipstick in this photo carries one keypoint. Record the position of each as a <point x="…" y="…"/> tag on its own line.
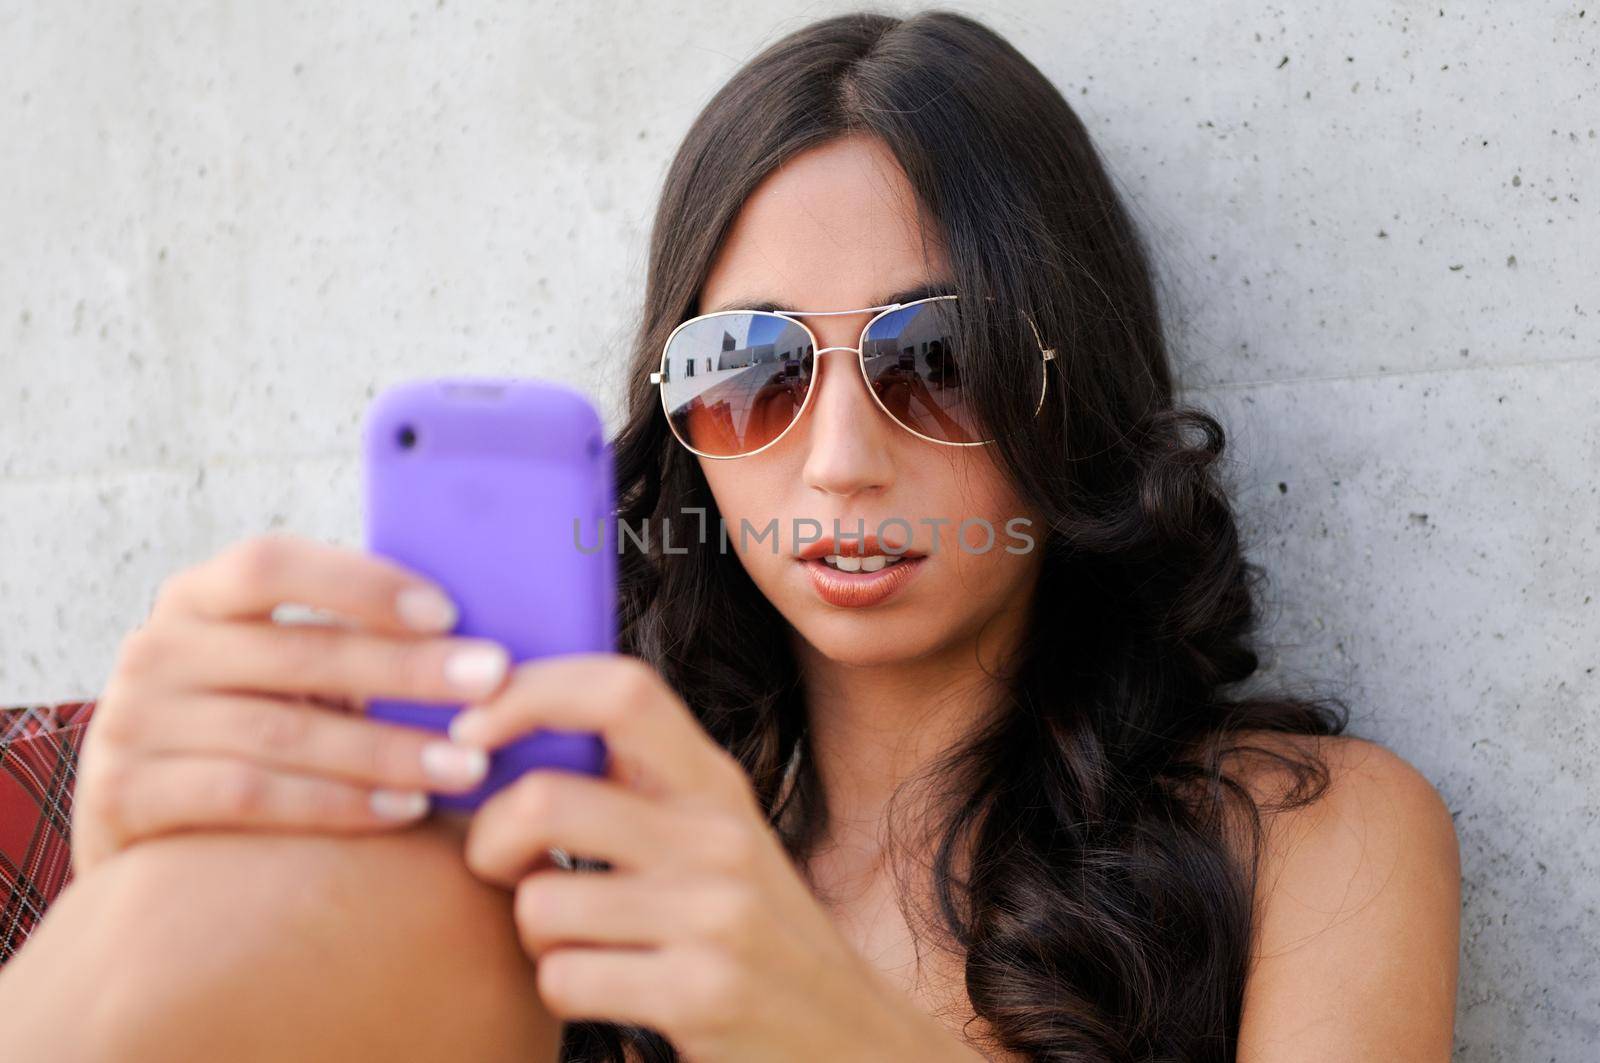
<point x="858" y="589"/>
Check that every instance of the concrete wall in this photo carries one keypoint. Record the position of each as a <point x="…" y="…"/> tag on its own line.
<point x="226" y="225"/>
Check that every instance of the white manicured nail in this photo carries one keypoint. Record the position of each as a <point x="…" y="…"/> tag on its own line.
<point x="448" y="763"/>
<point x="399" y="804"/>
<point x="476" y="669"/>
<point x="425" y="609"/>
<point x="465" y="722"/>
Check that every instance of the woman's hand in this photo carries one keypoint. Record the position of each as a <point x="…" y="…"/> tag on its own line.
<point x="217" y="716"/>
<point x="702" y="929"/>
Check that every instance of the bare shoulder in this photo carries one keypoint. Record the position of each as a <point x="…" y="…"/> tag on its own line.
<point x="1357" y="909"/>
<point x="1375" y="805"/>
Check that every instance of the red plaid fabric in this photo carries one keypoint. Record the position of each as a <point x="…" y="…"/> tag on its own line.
<point x="38" y="763"/>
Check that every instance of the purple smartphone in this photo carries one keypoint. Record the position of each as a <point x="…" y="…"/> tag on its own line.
<point x="500" y="490"/>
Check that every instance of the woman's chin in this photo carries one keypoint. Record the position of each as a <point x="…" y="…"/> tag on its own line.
<point x="862" y="641"/>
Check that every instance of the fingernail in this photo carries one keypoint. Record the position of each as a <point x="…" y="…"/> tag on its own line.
<point x="399" y="804"/>
<point x="476" y="669"/>
<point x="448" y="763"/>
<point x="465" y="722"/>
<point x="425" y="609"/>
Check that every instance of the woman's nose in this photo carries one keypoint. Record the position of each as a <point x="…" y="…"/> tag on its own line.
<point x="847" y="439"/>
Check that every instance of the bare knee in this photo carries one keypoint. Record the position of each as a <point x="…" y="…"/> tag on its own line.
<point x="274" y="946"/>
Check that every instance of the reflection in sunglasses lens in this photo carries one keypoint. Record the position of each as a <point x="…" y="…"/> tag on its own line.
<point x="733" y="382"/>
<point x="913" y="363"/>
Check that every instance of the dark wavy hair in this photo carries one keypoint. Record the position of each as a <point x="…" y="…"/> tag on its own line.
<point x="1107" y="910"/>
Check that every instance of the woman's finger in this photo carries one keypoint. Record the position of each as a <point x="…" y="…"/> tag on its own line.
<point x="325" y="702"/>
<point x="624" y="908"/>
<point x="312" y="659"/>
<point x="160" y="795"/>
<point x="588" y="817"/>
<point x="657" y="988"/>
<point x="654" y="742"/>
<point x="249" y="579"/>
<point x="299" y="738"/>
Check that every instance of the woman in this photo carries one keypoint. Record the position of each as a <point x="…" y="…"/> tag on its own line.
<point x="877" y="790"/>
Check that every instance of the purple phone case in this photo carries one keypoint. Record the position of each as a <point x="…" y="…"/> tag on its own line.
<point x="483" y="501"/>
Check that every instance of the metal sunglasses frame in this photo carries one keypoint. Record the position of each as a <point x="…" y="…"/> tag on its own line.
<point x="658" y="377"/>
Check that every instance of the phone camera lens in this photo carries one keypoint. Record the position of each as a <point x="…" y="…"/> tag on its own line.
<point x="407" y="436"/>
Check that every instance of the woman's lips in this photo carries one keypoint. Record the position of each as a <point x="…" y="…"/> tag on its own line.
<point x="858" y="590"/>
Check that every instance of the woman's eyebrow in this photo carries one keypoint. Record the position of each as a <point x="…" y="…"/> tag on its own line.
<point x="909" y="295"/>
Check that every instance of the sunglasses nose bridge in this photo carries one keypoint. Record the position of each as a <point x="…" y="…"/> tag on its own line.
<point x="825" y="350"/>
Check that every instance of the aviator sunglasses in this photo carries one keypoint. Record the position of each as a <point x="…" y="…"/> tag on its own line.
<point x="734" y="381"/>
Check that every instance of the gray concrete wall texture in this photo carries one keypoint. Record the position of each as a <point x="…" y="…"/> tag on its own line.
<point x="227" y="225"/>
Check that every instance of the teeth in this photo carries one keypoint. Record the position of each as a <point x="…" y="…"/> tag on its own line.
<point x="870" y="563"/>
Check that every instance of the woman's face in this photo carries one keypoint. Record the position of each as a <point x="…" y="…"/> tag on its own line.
<point x="836" y="228"/>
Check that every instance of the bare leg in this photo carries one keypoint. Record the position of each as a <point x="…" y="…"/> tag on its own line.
<point x="247" y="947"/>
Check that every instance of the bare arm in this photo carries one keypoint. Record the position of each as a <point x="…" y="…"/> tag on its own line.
<point x="1358" y="922"/>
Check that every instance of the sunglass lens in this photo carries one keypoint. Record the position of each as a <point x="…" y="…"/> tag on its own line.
<point x="734" y="382"/>
<point x="913" y="362"/>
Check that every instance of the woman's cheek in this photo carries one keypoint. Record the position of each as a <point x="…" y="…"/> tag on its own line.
<point x="981" y="563"/>
<point x="985" y="566"/>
